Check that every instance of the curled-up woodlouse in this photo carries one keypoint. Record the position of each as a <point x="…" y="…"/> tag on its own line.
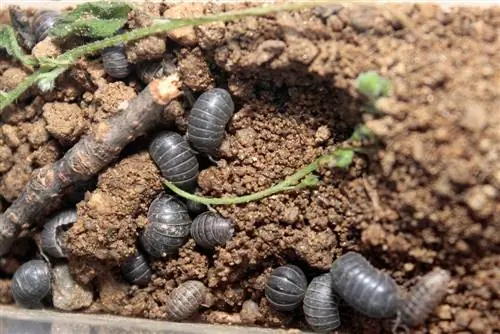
<point x="286" y="288"/>
<point x="195" y="208"/>
<point x="424" y="297"/>
<point x="364" y="287"/>
<point x="114" y="61"/>
<point x="52" y="236"/>
<point x="176" y="160"/>
<point x="22" y="26"/>
<point x="43" y="21"/>
<point x="31" y="283"/>
<point x="137" y="270"/>
<point x="321" y="305"/>
<point x="168" y="227"/>
<point x="185" y="300"/>
<point x="210" y="229"/>
<point x="208" y="119"/>
<point x="149" y="70"/>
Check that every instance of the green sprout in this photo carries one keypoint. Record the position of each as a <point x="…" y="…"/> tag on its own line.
<point x="302" y="178"/>
<point x="372" y="85"/>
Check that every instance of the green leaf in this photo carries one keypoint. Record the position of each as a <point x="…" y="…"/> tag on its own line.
<point x="9" y="42"/>
<point x="363" y="133"/>
<point x="372" y="85"/>
<point x="310" y="180"/>
<point x="343" y="158"/>
<point x="95" y="19"/>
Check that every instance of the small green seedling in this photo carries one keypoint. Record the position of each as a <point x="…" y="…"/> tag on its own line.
<point x="372" y="85"/>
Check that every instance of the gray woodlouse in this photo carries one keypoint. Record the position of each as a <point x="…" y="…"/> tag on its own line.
<point x="208" y="119"/>
<point x="424" y="297"/>
<point x="185" y="300"/>
<point x="148" y="70"/>
<point x="52" y="235"/>
<point x="114" y="61"/>
<point x="43" y="21"/>
<point x="172" y="154"/>
<point x="31" y="283"/>
<point x="364" y="287"/>
<point x="321" y="305"/>
<point x="137" y="270"/>
<point x="286" y="288"/>
<point x="21" y="24"/>
<point x="168" y="227"/>
<point x="210" y="229"/>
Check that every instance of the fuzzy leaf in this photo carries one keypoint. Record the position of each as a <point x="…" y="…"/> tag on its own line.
<point x="372" y="85"/>
<point x="8" y="41"/>
<point x="95" y="20"/>
<point x="343" y="158"/>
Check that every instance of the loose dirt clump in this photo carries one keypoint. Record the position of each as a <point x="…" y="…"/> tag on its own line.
<point x="109" y="217"/>
<point x="428" y="196"/>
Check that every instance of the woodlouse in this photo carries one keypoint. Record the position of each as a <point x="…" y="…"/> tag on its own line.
<point x="172" y="154"/>
<point x="52" y="235"/>
<point x="208" y="119"/>
<point x="195" y="208"/>
<point x="210" y="229"/>
<point x="31" y="283"/>
<point x="424" y="297"/>
<point x="148" y="70"/>
<point x="22" y="26"/>
<point x="286" y="287"/>
<point x="321" y="305"/>
<point x="136" y="269"/>
<point x="114" y="61"/>
<point x="43" y="21"/>
<point x="185" y="300"/>
<point x="168" y="227"/>
<point x="364" y="287"/>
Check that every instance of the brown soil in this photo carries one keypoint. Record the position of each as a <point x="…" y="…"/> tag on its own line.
<point x="428" y="197"/>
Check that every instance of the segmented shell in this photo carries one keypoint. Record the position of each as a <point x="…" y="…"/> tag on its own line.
<point x="210" y="229"/>
<point x="137" y="270"/>
<point x="52" y="236"/>
<point x="185" y="300"/>
<point x="424" y="297"/>
<point x="286" y="287"/>
<point x="114" y="61"/>
<point x="22" y="26"/>
<point x="364" y="287"/>
<point x="168" y="227"/>
<point x="31" y="283"/>
<point x="174" y="157"/>
<point x="208" y="119"/>
<point x="321" y="305"/>
<point x="149" y="70"/>
<point x="43" y="21"/>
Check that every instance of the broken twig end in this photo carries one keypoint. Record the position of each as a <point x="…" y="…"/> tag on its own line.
<point x="166" y="89"/>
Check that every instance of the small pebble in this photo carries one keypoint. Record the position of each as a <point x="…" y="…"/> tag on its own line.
<point x="68" y="295"/>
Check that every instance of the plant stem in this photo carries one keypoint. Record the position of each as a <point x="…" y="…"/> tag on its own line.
<point x="11" y="96"/>
<point x="70" y="57"/>
<point x="290" y="183"/>
<point x="173" y="24"/>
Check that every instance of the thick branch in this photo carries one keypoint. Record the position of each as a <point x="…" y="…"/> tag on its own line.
<point x="90" y="155"/>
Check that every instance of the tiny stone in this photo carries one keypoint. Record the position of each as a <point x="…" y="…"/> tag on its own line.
<point x="291" y="215"/>
<point x="322" y="134"/>
<point x="250" y="313"/>
<point x="444" y="312"/>
<point x="463" y="318"/>
<point x="67" y="294"/>
<point x="478" y="325"/>
<point x="408" y="266"/>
